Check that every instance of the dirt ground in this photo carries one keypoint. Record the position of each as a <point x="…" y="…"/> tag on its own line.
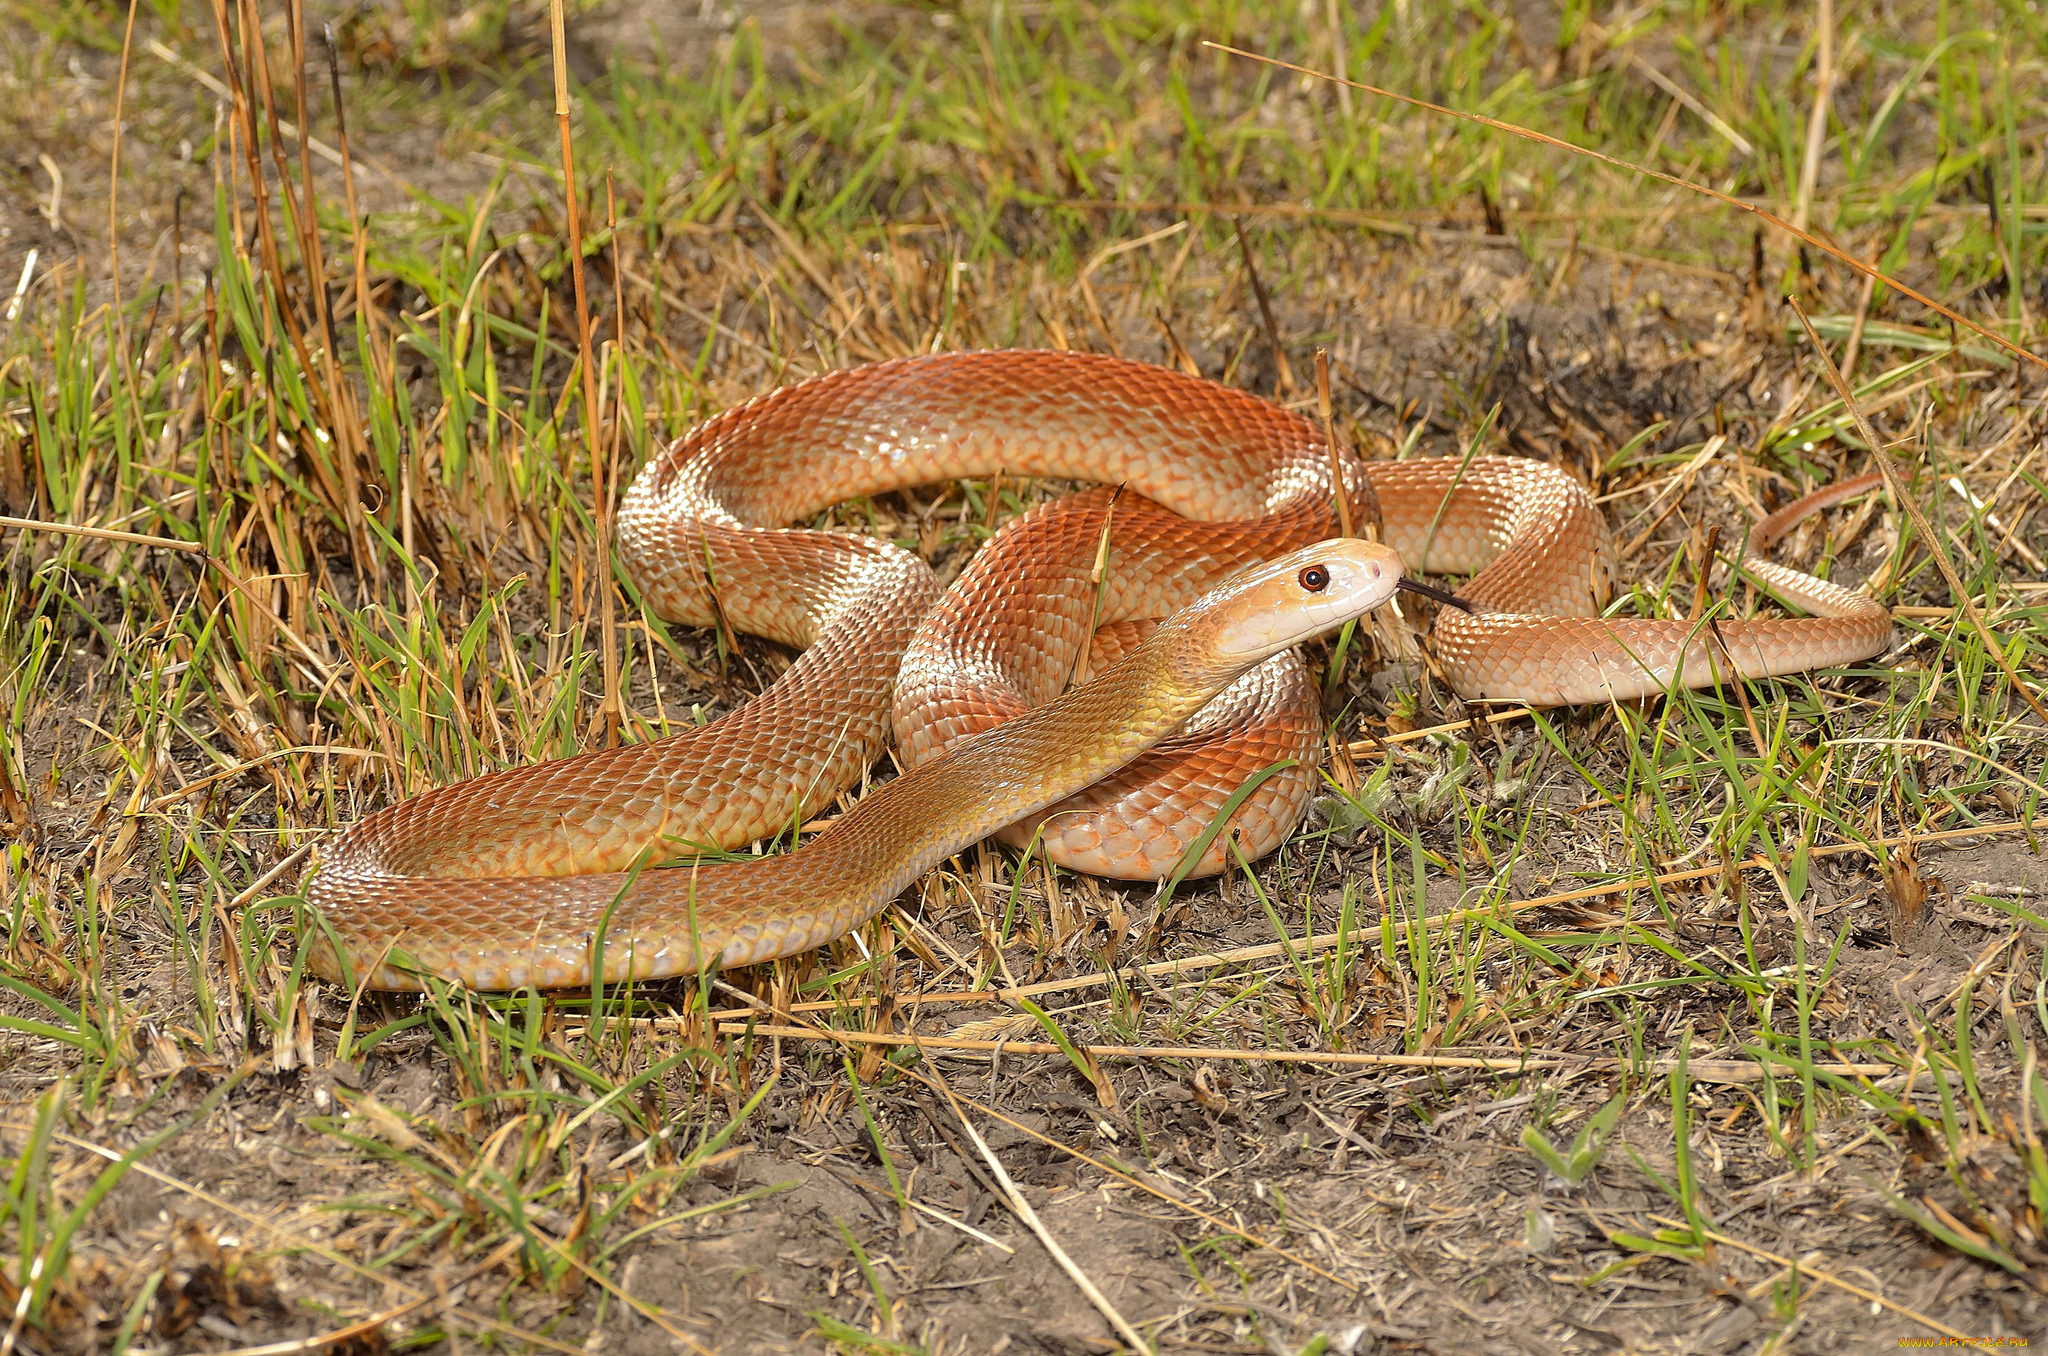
<point x="1410" y="1217"/>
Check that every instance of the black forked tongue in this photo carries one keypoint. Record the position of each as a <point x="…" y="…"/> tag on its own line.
<point x="1448" y="599"/>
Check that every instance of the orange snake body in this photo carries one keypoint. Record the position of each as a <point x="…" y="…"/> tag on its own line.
<point x="517" y="877"/>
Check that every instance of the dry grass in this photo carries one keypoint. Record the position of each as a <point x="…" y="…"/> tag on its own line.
<point x="1708" y="1024"/>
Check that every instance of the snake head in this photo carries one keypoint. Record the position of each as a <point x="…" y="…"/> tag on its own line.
<point x="1277" y="605"/>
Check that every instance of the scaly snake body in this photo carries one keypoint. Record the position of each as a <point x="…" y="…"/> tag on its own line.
<point x="521" y="877"/>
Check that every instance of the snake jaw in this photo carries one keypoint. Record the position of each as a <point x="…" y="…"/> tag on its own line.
<point x="1295" y="597"/>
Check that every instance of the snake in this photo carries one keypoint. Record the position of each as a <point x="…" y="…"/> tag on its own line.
<point x="1106" y="678"/>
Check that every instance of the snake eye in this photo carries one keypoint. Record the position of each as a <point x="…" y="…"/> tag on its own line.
<point x="1315" y="578"/>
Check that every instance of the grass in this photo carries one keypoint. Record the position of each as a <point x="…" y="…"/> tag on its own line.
<point x="1703" y="952"/>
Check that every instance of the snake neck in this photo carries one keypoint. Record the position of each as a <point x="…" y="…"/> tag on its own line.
<point x="1023" y="766"/>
